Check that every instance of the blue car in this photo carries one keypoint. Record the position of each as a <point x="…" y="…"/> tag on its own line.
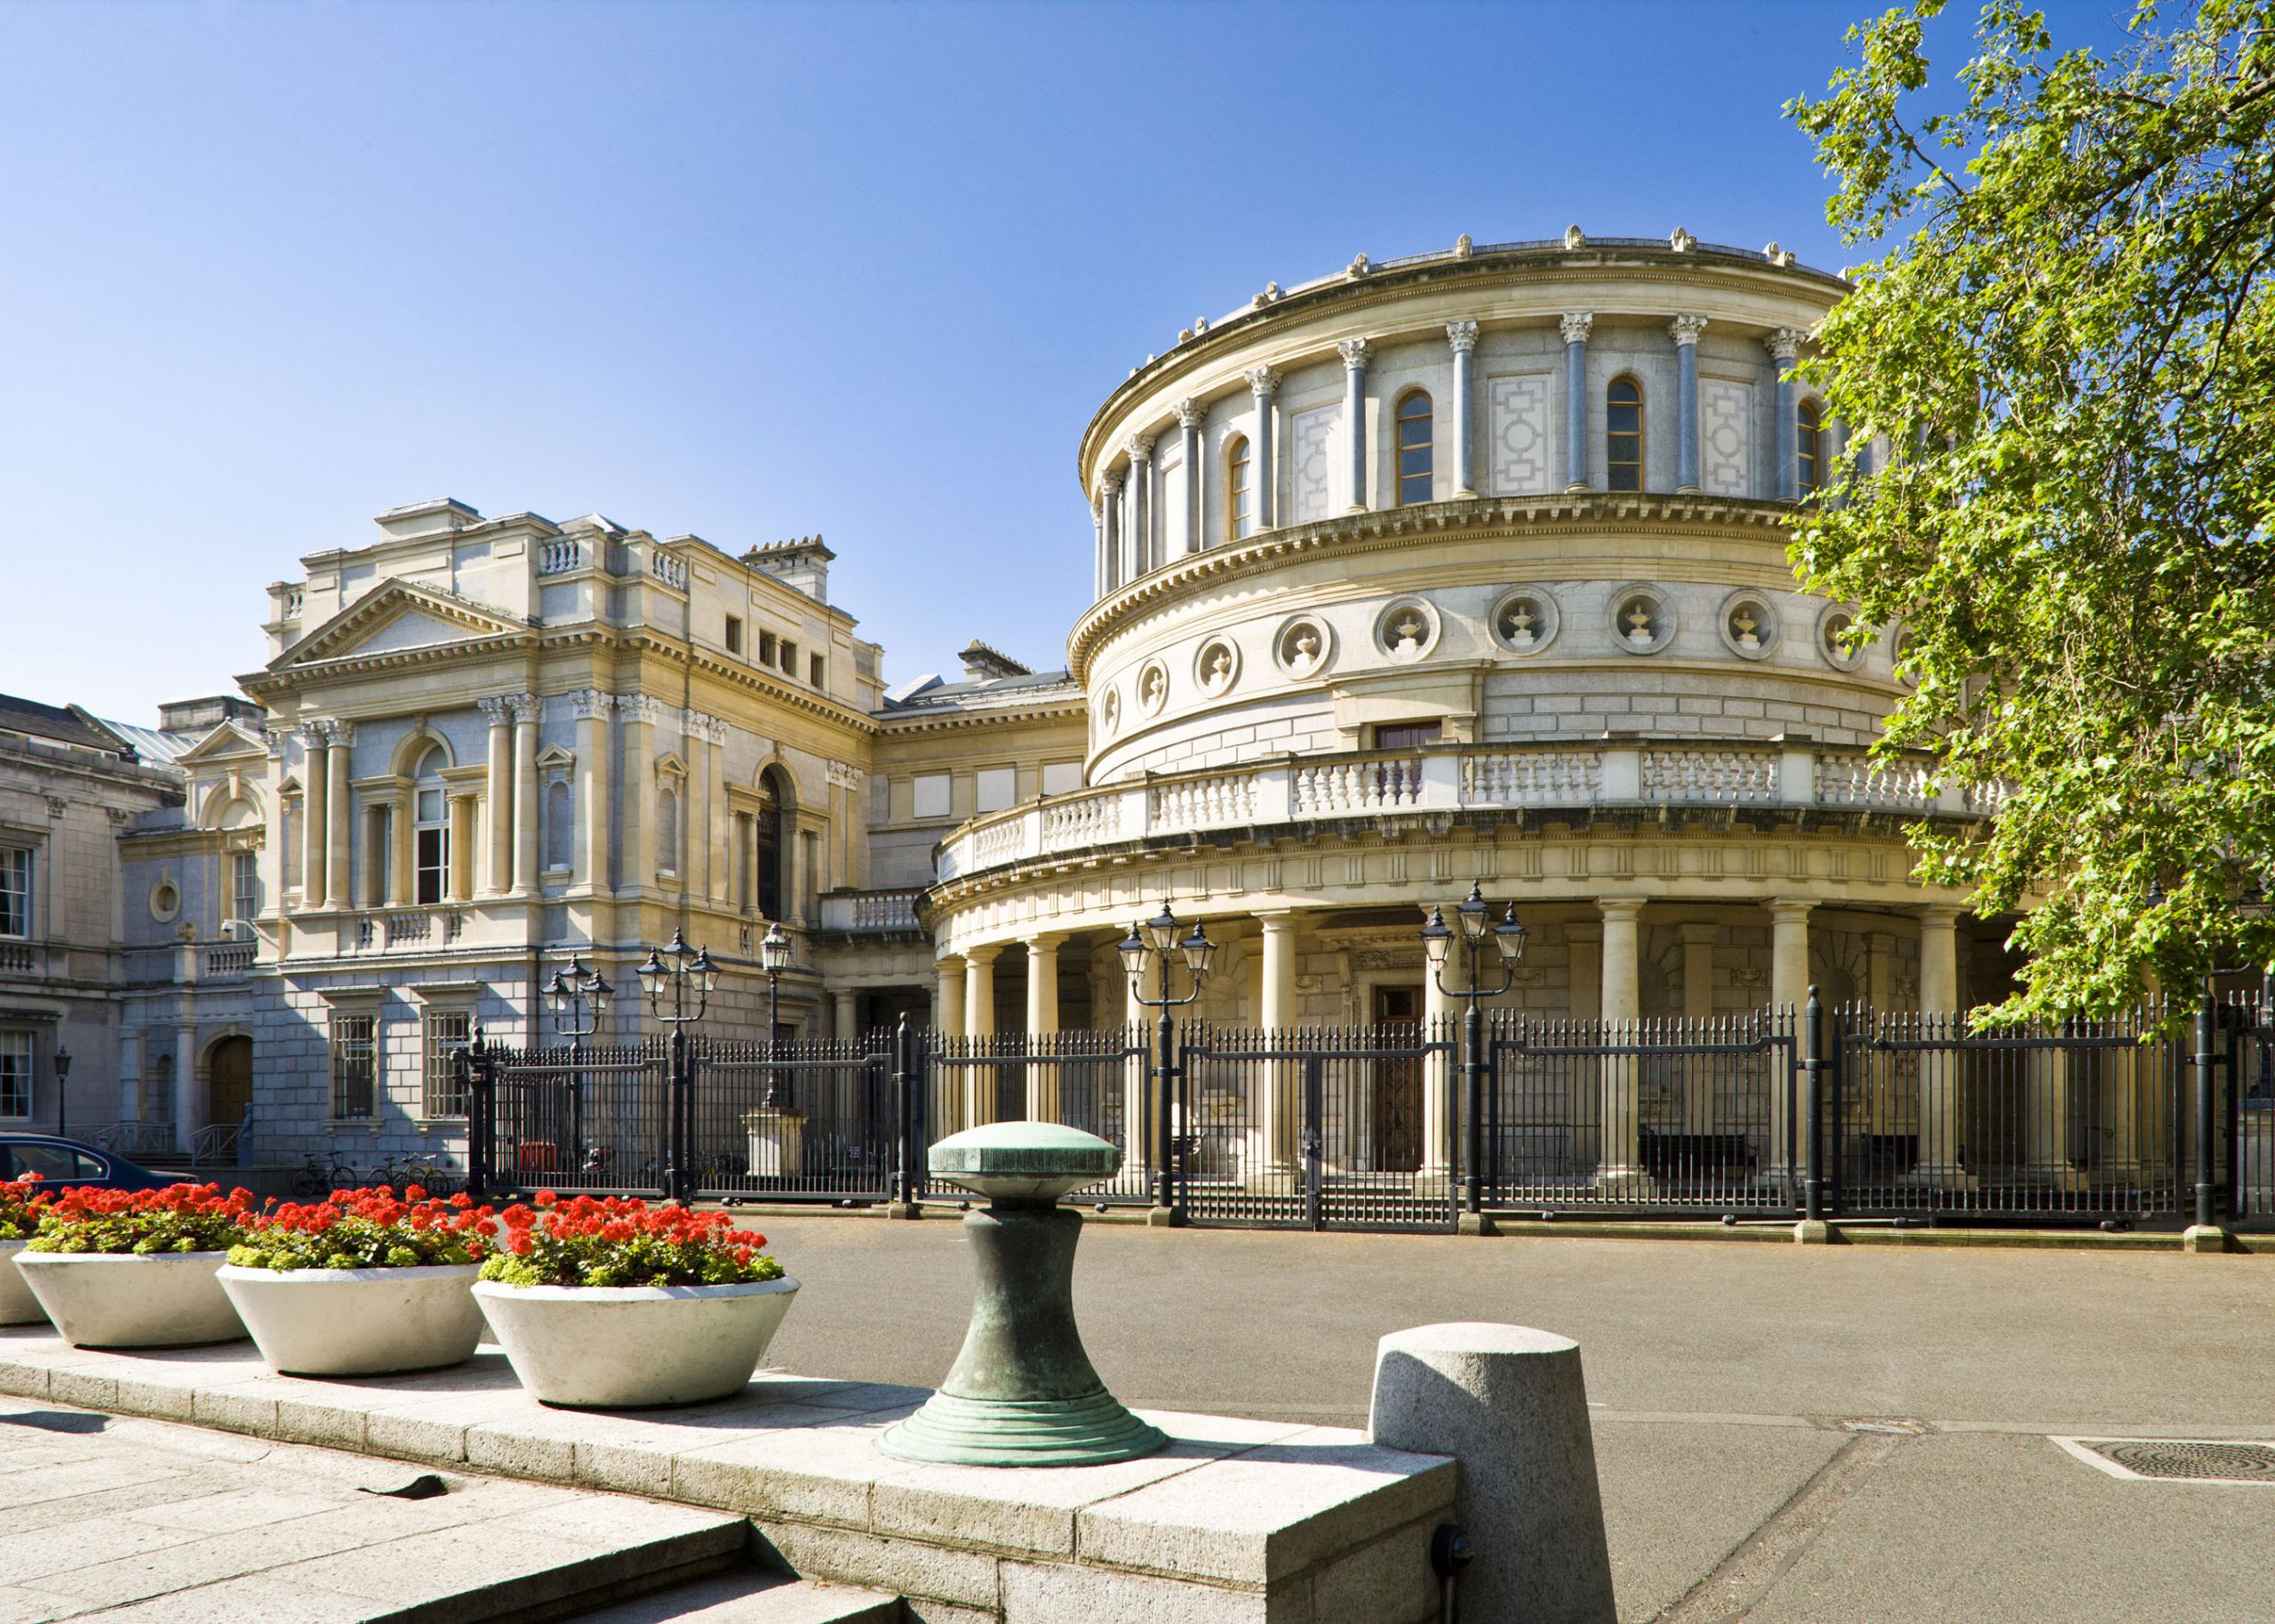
<point x="66" y="1164"/>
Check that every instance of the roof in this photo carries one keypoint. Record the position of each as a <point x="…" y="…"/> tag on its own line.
<point x="151" y="744"/>
<point x="66" y="725"/>
<point x="930" y="696"/>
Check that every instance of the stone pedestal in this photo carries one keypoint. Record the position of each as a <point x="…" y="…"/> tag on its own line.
<point x="776" y="1141"/>
<point x="1023" y="1392"/>
<point x="1510" y="1405"/>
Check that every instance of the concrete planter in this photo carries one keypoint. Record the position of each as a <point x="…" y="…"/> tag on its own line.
<point x="117" y="1299"/>
<point x="609" y="1347"/>
<point x="357" y="1322"/>
<point x="18" y="1306"/>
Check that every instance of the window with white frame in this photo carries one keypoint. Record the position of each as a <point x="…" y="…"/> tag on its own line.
<point x="930" y="798"/>
<point x="15" y="891"/>
<point x="244" y="886"/>
<point x="443" y="1034"/>
<point x="15" y="1075"/>
<point x="430" y="827"/>
<point x="355" y="1066"/>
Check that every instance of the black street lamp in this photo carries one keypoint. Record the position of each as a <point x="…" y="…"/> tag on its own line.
<point x="689" y="975"/>
<point x="579" y="1000"/>
<point x="1508" y="939"/>
<point x="1160" y="940"/>
<point x="774" y="958"/>
<point x="62" y="1093"/>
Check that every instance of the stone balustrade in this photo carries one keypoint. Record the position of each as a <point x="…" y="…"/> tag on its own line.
<point x="870" y="912"/>
<point x="1478" y="777"/>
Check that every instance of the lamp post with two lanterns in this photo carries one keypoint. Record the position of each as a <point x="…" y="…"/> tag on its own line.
<point x="1160" y="940"/>
<point x="579" y="999"/>
<point x="690" y="978"/>
<point x="1474" y="918"/>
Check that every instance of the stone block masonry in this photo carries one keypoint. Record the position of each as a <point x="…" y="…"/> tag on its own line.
<point x="1237" y="1521"/>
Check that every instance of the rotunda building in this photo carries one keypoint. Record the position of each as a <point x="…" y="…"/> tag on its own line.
<point x="1471" y="567"/>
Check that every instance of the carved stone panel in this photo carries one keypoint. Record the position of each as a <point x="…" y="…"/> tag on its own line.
<point x="1726" y="437"/>
<point x="1311" y="463"/>
<point x="1521" y="452"/>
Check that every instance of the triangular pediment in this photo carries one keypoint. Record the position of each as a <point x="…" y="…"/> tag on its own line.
<point x="226" y="742"/>
<point x="395" y="619"/>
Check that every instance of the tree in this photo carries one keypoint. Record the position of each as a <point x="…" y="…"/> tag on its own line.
<point x="2066" y="350"/>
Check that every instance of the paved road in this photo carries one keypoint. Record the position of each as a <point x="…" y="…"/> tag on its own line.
<point x="1728" y="1378"/>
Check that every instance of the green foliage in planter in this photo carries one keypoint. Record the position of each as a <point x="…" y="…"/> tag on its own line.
<point x="143" y="1222"/>
<point x="615" y="1241"/>
<point x="367" y="1228"/>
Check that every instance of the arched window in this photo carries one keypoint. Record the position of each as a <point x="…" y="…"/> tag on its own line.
<point x="667" y="831"/>
<point x="1239" y="490"/>
<point x="1809" y="447"/>
<point x="430" y="829"/>
<point x="1414" y="448"/>
<point x="1622" y="436"/>
<point x="770" y="850"/>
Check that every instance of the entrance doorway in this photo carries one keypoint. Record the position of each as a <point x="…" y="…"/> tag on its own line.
<point x="1395" y="1105"/>
<point x="229" y="1086"/>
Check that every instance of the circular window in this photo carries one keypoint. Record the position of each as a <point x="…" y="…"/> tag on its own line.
<point x="165" y="900"/>
<point x="1303" y="646"/>
<point x="1749" y="626"/>
<point x="1525" y="620"/>
<point x="1642" y="621"/>
<point x="1217" y="667"/>
<point x="1832" y="627"/>
<point x="1898" y="653"/>
<point x="1110" y="710"/>
<point x="1152" y="688"/>
<point x="1408" y="630"/>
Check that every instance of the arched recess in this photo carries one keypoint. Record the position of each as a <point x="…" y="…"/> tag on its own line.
<point x="224" y="1074"/>
<point x="411" y="749"/>
<point x="771" y="844"/>
<point x="231" y="804"/>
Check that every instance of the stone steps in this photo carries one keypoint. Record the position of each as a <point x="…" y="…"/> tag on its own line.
<point x="751" y="1596"/>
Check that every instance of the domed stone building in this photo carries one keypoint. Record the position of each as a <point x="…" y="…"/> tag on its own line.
<point x="1471" y="567"/>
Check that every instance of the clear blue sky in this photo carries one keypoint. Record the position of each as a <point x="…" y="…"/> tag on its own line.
<point x="751" y="271"/>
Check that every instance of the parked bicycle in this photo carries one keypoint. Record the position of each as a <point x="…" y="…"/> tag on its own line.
<point x="320" y="1177"/>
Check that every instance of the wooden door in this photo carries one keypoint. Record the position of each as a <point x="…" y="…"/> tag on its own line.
<point x="1396" y="1103"/>
<point x="228" y="1086"/>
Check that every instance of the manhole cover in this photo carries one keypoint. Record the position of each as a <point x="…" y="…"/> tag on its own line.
<point x="2179" y="1460"/>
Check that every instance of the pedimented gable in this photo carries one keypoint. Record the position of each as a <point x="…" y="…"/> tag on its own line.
<point x="226" y="742"/>
<point x="395" y="618"/>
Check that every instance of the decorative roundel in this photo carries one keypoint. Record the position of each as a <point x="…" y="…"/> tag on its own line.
<point x="1303" y="646"/>
<point x="1525" y="620"/>
<point x="1408" y="629"/>
<point x="1749" y="624"/>
<point x="1642" y="620"/>
<point x="1152" y="688"/>
<point x="165" y="899"/>
<point x="1896" y="652"/>
<point x="1110" y="710"/>
<point x="1217" y="667"/>
<point x="1833" y="625"/>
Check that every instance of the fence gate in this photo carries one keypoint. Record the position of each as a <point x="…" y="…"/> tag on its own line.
<point x="1319" y="1127"/>
<point x="595" y="1120"/>
<point x="1639" y="1116"/>
<point x="804" y="1120"/>
<point x="1098" y="1081"/>
<point x="2251" y="1136"/>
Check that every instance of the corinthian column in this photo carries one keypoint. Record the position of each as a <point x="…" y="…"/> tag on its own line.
<point x="497" y="866"/>
<point x="589" y="866"/>
<point x="524" y="881"/>
<point x="1109" y="517"/>
<point x="1463" y="336"/>
<point x="1189" y="428"/>
<point x="1685" y="329"/>
<point x="1262" y="383"/>
<point x="1785" y="346"/>
<point x="339" y="812"/>
<point x="1137" y="505"/>
<point x="640" y="714"/>
<point x="1576" y="325"/>
<point x="316" y="817"/>
<point x="1353" y="351"/>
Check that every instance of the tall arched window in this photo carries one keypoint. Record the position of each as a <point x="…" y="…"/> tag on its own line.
<point x="1239" y="490"/>
<point x="1809" y="447"/>
<point x="1415" y="450"/>
<point x="1622" y="436"/>
<point x="769" y="851"/>
<point x="430" y="829"/>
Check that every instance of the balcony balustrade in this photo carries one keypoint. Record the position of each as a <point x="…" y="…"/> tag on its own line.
<point x="1478" y="777"/>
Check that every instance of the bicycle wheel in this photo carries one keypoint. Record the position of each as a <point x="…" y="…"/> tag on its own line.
<point x="307" y="1182"/>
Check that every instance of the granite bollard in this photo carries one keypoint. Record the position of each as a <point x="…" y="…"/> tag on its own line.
<point x="1510" y="1404"/>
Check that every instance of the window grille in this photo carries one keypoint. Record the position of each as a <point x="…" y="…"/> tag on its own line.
<point x="355" y="1066"/>
<point x="444" y="1034"/>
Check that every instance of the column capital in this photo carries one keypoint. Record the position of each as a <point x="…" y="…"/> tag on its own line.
<point x="710" y="729"/>
<point x="1140" y="447"/>
<point x="527" y="707"/>
<point x="332" y="730"/>
<point x="1785" y="345"/>
<point x="1790" y="907"/>
<point x="590" y="704"/>
<point x="1109" y="486"/>
<point x="1462" y="336"/>
<point x="1189" y="412"/>
<point x="1942" y="915"/>
<point x="641" y="708"/>
<point x="1698" y="934"/>
<point x="497" y="709"/>
<point x="1044" y="940"/>
<point x="1620" y="907"/>
<point x="983" y="954"/>
<point x="1279" y="918"/>
<point x="948" y="964"/>
<point x="1576" y="324"/>
<point x="1685" y="329"/>
<point x="1262" y="381"/>
<point x="1353" y="351"/>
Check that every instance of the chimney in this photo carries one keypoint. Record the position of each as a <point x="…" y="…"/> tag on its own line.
<point x="802" y="565"/>
<point x="982" y="663"/>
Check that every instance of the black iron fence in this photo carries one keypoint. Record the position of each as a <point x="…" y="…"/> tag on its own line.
<point x="1820" y="1113"/>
